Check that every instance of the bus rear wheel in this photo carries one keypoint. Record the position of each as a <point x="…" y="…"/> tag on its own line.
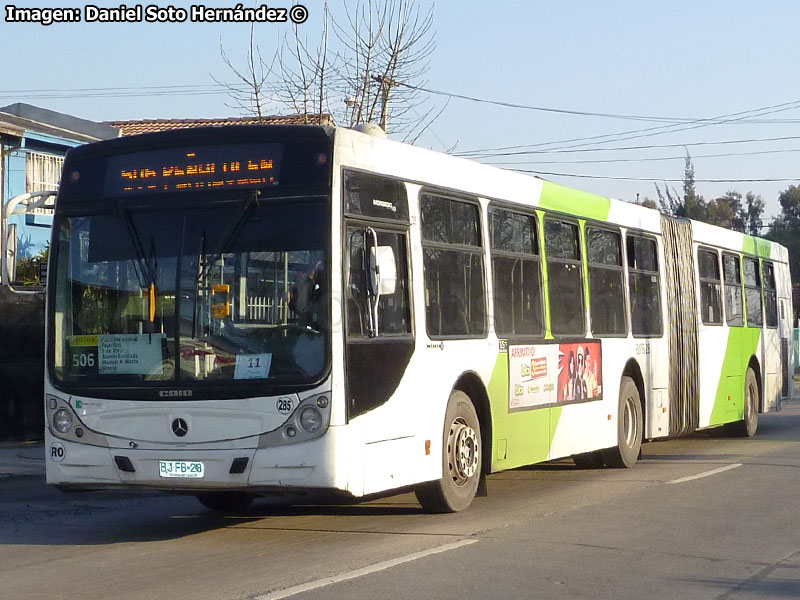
<point x="630" y="427"/>
<point x="225" y="502"/>
<point x="749" y="424"/>
<point x="461" y="460"/>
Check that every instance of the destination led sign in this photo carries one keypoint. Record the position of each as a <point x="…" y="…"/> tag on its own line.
<point x="194" y="169"/>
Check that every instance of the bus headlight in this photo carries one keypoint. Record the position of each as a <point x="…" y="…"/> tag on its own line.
<point x="62" y="420"/>
<point x="311" y="419"/>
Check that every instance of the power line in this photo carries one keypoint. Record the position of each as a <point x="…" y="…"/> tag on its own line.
<point x="635" y="160"/>
<point x="701" y="122"/>
<point x="660" y="119"/>
<point x="653" y="132"/>
<point x="107" y="89"/>
<point x="188" y="89"/>
<point x="644" y="147"/>
<point x="656" y="179"/>
<point x="121" y="94"/>
<point x="195" y="89"/>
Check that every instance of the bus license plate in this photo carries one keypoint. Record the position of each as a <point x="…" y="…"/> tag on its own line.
<point x="181" y="468"/>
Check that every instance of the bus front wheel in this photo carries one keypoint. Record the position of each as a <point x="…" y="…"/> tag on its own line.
<point x="630" y="427"/>
<point x="461" y="460"/>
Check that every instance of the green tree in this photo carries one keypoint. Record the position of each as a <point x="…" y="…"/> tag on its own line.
<point x="750" y="214"/>
<point x="669" y="201"/>
<point x="736" y="212"/>
<point x="726" y="210"/>
<point x="790" y="203"/>
<point x="691" y="205"/>
<point x="648" y="203"/>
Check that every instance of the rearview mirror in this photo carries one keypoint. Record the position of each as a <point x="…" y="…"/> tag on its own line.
<point x="382" y="270"/>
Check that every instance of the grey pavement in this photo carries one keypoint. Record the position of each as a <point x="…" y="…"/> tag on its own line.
<point x="705" y="517"/>
<point x="21" y="460"/>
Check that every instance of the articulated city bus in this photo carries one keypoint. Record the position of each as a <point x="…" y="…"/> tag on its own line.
<point x="253" y="310"/>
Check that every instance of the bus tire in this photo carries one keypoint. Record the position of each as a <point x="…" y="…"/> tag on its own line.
<point x="749" y="424"/>
<point x="226" y="502"/>
<point x="630" y="427"/>
<point x="461" y="460"/>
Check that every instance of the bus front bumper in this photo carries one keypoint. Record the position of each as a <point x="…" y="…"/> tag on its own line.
<point x="305" y="465"/>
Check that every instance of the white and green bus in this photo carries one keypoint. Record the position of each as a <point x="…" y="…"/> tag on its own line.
<point x="256" y="310"/>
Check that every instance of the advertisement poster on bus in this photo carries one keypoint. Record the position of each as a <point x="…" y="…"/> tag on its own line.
<point x="547" y="374"/>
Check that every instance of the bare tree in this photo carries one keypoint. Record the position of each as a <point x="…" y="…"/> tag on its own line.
<point x="386" y="51"/>
<point x="371" y="73"/>
<point x="301" y="82"/>
<point x="248" y="89"/>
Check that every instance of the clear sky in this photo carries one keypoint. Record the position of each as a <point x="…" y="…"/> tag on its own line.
<point x="680" y="59"/>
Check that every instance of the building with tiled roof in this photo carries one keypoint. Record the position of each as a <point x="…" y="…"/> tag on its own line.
<point x="136" y="127"/>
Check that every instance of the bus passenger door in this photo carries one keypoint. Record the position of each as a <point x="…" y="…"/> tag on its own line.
<point x="379" y="340"/>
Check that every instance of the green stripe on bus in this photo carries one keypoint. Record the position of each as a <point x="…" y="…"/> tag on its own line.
<point x="729" y="402"/>
<point x="757" y="246"/>
<point x="522" y="437"/>
<point x="574" y="202"/>
<point x="742" y="344"/>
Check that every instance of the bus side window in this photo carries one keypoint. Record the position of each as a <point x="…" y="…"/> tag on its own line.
<point x="606" y="283"/>
<point x="752" y="292"/>
<point x="356" y="297"/>
<point x="733" y="290"/>
<point x="565" y="277"/>
<point x="770" y="294"/>
<point x="455" y="298"/>
<point x="710" y="287"/>
<point x="516" y="274"/>
<point x="394" y="314"/>
<point x="644" y="290"/>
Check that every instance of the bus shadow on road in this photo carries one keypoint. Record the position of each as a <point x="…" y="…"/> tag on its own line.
<point x="100" y="518"/>
<point x="103" y="518"/>
<point x="368" y="508"/>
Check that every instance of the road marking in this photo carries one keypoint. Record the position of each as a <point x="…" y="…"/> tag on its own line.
<point x="381" y="566"/>
<point x="706" y="473"/>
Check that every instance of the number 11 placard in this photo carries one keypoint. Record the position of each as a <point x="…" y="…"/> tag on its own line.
<point x="252" y="366"/>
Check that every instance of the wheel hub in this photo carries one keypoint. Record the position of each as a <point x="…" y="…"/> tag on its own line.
<point x="629" y="421"/>
<point x="463" y="449"/>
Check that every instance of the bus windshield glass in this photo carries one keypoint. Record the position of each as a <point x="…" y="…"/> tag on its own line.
<point x="217" y="293"/>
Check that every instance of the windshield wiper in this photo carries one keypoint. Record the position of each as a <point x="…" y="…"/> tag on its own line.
<point x="246" y="207"/>
<point x="145" y="269"/>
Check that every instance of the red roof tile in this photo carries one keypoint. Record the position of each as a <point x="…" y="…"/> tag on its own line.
<point x="136" y="127"/>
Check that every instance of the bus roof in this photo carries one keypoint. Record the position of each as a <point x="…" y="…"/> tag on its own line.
<point x="434" y="169"/>
<point x="441" y="171"/>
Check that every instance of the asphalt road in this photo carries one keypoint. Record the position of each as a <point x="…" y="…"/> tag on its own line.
<point x="549" y="531"/>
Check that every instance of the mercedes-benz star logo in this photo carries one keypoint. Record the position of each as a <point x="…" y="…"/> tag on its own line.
<point x="179" y="427"/>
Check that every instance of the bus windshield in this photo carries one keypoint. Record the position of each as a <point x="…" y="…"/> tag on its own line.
<point x="218" y="293"/>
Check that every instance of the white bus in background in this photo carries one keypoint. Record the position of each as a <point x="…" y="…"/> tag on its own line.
<point x="245" y="311"/>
